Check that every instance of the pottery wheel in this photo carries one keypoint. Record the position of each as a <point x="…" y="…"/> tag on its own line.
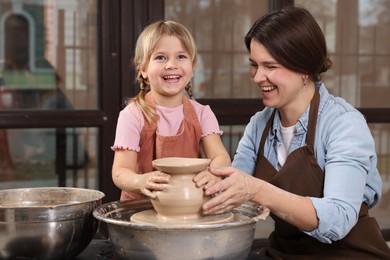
<point x="151" y="217"/>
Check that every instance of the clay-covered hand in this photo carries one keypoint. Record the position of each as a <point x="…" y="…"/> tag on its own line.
<point x="235" y="189"/>
<point x="206" y="179"/>
<point x="148" y="182"/>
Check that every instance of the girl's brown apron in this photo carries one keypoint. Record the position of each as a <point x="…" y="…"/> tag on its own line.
<point x="302" y="175"/>
<point x="186" y="143"/>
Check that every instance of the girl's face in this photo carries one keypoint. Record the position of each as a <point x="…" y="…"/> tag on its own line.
<point x="280" y="87"/>
<point x="169" y="70"/>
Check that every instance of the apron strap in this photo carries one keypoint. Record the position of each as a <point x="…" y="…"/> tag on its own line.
<point x="311" y="131"/>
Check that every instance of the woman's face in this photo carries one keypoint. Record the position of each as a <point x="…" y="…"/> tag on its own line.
<point x="280" y="87"/>
<point x="169" y="70"/>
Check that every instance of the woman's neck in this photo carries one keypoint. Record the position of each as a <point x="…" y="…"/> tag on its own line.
<point x="290" y="115"/>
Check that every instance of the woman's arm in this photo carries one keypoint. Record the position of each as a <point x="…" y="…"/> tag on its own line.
<point x="238" y="187"/>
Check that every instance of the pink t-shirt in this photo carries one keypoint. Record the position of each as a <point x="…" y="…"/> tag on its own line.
<point x="131" y="122"/>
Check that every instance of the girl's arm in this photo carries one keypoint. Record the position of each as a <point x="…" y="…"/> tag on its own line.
<point x="214" y="150"/>
<point x="126" y="179"/>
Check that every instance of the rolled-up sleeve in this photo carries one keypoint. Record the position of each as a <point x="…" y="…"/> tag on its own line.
<point x="351" y="177"/>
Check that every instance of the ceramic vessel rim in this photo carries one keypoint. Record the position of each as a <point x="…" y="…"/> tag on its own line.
<point x="180" y="162"/>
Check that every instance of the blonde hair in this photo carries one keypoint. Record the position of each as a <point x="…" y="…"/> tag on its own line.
<point x="144" y="48"/>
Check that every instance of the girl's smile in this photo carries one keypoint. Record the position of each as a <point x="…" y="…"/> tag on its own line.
<point x="168" y="71"/>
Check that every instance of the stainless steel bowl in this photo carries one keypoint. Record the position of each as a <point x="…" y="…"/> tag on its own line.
<point x="231" y="240"/>
<point x="47" y="223"/>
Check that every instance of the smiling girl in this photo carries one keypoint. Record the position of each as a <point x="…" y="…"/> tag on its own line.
<point x="161" y="121"/>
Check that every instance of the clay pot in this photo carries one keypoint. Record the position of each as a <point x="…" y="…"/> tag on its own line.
<point x="181" y="199"/>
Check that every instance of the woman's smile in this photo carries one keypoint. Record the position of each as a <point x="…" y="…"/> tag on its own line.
<point x="267" y="88"/>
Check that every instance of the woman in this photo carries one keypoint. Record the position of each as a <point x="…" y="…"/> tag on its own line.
<point x="311" y="154"/>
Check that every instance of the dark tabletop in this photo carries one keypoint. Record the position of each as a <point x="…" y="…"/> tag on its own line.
<point x="100" y="249"/>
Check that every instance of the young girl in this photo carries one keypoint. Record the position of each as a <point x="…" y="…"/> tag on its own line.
<point x="163" y="122"/>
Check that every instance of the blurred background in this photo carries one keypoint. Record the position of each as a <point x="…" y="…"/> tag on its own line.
<point x="65" y="73"/>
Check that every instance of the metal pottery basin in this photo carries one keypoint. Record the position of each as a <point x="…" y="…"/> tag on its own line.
<point x="232" y="240"/>
<point x="46" y="223"/>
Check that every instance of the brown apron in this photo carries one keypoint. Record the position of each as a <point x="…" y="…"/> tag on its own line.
<point x="302" y="175"/>
<point x="186" y="143"/>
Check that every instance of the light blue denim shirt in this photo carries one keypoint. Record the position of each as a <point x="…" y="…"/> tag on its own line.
<point x="345" y="150"/>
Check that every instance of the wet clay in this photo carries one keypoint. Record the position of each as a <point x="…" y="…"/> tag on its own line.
<point x="151" y="217"/>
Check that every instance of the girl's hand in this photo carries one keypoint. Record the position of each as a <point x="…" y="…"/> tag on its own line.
<point x="148" y="182"/>
<point x="206" y="179"/>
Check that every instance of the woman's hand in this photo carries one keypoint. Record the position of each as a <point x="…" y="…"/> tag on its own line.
<point x="206" y="179"/>
<point x="235" y="189"/>
<point x="238" y="187"/>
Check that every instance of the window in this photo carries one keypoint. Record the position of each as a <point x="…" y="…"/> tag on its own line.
<point x="219" y="31"/>
<point x="16" y="43"/>
<point x="358" y="40"/>
<point x="49" y="69"/>
<point x="357" y="35"/>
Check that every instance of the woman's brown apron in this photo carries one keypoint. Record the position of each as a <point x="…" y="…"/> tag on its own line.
<point x="186" y="143"/>
<point x="302" y="175"/>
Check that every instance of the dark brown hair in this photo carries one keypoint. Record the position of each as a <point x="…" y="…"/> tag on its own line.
<point x="294" y="39"/>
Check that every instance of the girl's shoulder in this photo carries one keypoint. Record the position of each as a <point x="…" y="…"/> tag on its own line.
<point x="132" y="113"/>
<point x="132" y="108"/>
<point x="201" y="109"/>
<point x="197" y="105"/>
